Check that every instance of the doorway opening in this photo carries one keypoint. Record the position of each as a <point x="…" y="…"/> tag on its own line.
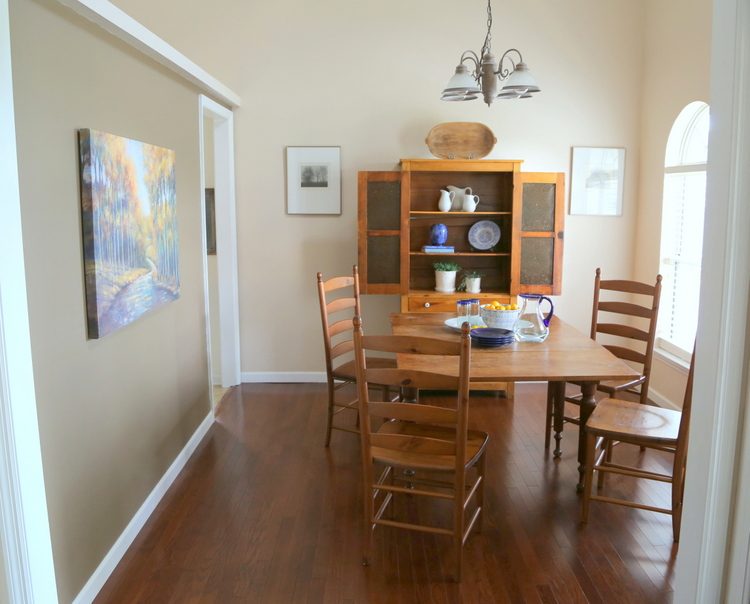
<point x="216" y="127"/>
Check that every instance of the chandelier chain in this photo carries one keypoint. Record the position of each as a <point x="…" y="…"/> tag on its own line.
<point x="488" y="37"/>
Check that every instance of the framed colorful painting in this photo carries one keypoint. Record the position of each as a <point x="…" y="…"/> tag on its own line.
<point x="129" y="216"/>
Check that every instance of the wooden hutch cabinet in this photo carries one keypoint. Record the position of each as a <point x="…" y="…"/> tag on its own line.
<point x="397" y="210"/>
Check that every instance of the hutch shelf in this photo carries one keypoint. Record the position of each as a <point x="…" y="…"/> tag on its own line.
<point x="397" y="210"/>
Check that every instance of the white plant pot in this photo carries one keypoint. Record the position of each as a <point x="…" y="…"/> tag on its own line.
<point x="472" y="285"/>
<point x="445" y="281"/>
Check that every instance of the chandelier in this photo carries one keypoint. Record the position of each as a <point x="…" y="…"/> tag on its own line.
<point x="489" y="73"/>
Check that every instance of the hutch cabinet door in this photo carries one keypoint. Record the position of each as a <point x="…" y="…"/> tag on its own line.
<point x="379" y="232"/>
<point x="538" y="217"/>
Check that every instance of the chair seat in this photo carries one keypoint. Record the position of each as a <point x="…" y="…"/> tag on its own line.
<point x="625" y="420"/>
<point x="610" y="387"/>
<point x="409" y="455"/>
<point x="348" y="370"/>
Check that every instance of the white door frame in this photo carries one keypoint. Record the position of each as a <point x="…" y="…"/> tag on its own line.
<point x="226" y="239"/>
<point x="26" y="543"/>
<point x="722" y="359"/>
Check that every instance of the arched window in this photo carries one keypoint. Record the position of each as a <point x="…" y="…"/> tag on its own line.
<point x="682" y="229"/>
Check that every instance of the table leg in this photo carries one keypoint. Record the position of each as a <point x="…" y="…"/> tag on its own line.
<point x="557" y="390"/>
<point x="409" y="394"/>
<point x="588" y="402"/>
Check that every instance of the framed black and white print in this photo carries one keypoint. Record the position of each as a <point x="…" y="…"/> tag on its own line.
<point x="313" y="180"/>
<point x="597" y="179"/>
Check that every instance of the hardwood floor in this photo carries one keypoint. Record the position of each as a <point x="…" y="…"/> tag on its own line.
<point x="264" y="513"/>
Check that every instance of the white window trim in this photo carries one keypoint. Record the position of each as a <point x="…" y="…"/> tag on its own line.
<point x="672" y="355"/>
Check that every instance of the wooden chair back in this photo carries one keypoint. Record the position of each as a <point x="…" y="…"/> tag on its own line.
<point x="338" y="328"/>
<point x="418" y="413"/>
<point x="626" y="312"/>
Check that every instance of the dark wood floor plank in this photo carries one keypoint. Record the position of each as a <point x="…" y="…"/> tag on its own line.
<point x="264" y="513"/>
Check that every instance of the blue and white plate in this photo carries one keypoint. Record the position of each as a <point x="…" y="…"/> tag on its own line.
<point x="453" y="323"/>
<point x="484" y="235"/>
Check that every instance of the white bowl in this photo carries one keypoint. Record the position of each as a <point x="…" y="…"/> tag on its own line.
<point x="503" y="319"/>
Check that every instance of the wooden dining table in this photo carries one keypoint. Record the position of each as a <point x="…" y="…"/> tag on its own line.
<point x="567" y="355"/>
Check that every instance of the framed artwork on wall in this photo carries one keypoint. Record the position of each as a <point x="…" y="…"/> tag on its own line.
<point x="210" y="222"/>
<point x="597" y="179"/>
<point x="129" y="218"/>
<point x="313" y="180"/>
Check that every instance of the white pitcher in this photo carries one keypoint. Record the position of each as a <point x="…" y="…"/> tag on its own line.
<point x="446" y="200"/>
<point x="460" y="192"/>
<point x="470" y="203"/>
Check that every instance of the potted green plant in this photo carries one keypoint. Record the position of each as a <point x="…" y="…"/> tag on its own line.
<point x="445" y="276"/>
<point x="470" y="281"/>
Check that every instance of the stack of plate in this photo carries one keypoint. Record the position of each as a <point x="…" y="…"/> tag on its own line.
<point x="491" y="337"/>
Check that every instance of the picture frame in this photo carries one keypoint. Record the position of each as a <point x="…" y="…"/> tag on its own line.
<point x="210" y="196"/>
<point x="597" y="176"/>
<point x="313" y="180"/>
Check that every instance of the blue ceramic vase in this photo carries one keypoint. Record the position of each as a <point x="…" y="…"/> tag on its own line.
<point x="438" y="234"/>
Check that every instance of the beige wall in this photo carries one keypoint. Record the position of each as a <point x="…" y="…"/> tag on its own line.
<point x="367" y="76"/>
<point x="676" y="72"/>
<point x="113" y="413"/>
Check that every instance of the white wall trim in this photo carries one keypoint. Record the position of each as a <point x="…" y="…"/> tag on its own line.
<point x="283" y="377"/>
<point x="661" y="400"/>
<point x="120" y="24"/>
<point x="722" y="326"/>
<point x="226" y="239"/>
<point x="120" y="547"/>
<point x="26" y="542"/>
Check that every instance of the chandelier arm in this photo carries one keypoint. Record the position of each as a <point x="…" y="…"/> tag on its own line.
<point x="503" y="72"/>
<point x="471" y="56"/>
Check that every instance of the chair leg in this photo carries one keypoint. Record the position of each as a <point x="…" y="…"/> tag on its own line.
<point x="481" y="467"/>
<point x="329" y="423"/>
<point x="678" y="489"/>
<point x="589" y="475"/>
<point x="367" y="527"/>
<point x="548" y="416"/>
<point x="608" y="448"/>
<point x="458" y="529"/>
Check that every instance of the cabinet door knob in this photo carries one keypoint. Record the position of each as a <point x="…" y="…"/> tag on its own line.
<point x="427" y="305"/>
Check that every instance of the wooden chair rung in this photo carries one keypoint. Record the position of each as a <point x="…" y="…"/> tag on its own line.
<point x="438" y="484"/>
<point x="628" y="471"/>
<point x="408" y="491"/>
<point x="381" y="510"/>
<point x="413" y="527"/>
<point x="473" y="490"/>
<point x="342" y="408"/>
<point x="471" y="524"/>
<point x="344" y="429"/>
<point x="630" y="504"/>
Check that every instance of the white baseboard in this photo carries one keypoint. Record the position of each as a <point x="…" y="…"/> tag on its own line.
<point x="283" y="377"/>
<point x="115" y="554"/>
<point x="662" y="400"/>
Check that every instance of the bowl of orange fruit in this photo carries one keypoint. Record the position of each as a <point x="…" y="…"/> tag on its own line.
<point x="499" y="315"/>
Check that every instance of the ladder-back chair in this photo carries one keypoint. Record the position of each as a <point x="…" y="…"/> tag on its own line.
<point x="645" y="426"/>
<point x="339" y="303"/>
<point x="419" y="438"/>
<point x="632" y="321"/>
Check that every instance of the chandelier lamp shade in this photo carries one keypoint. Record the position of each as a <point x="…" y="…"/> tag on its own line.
<point x="508" y="78"/>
